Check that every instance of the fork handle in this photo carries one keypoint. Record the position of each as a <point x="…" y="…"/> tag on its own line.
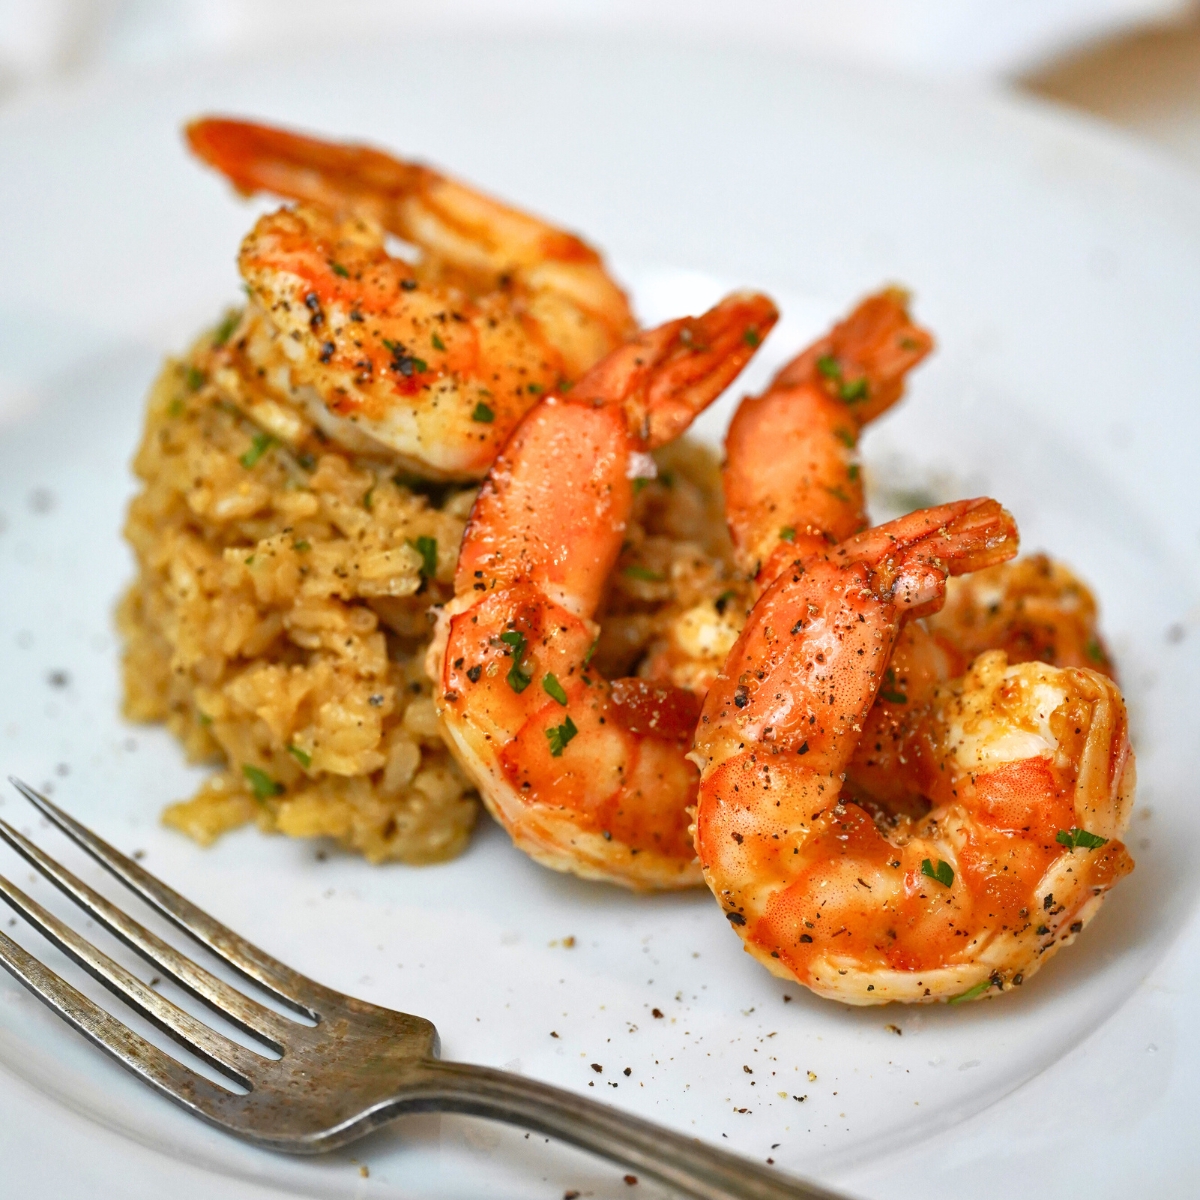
<point x="685" y="1164"/>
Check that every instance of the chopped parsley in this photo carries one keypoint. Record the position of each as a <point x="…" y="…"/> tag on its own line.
<point x="261" y="784"/>
<point x="788" y="533"/>
<point x="1095" y="652"/>
<point x="970" y="993"/>
<point x="437" y="342"/>
<point x="846" y="438"/>
<point x="854" y="390"/>
<point x="176" y="407"/>
<point x="644" y="574"/>
<point x="483" y="413"/>
<point x="752" y="337"/>
<point x="852" y="472"/>
<point x="838" y="494"/>
<point x="829" y="366"/>
<point x="301" y="756"/>
<point x="559" y="735"/>
<point x="426" y="547"/>
<point x="195" y="378"/>
<point x="943" y="873"/>
<point x="534" y="389"/>
<point x="666" y="478"/>
<point x="889" y="691"/>
<point x="368" y="500"/>
<point x="1079" y="837"/>
<point x="638" y="484"/>
<point x="517" y="678"/>
<point x="406" y="364"/>
<point x="302" y="546"/>
<point x="259" y="445"/>
<point x="338" y="269"/>
<point x="553" y="688"/>
<point x="587" y="658"/>
<point x="223" y="331"/>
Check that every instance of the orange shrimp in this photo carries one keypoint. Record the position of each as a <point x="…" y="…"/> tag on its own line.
<point x="792" y="476"/>
<point x="587" y="776"/>
<point x="435" y="361"/>
<point x="1029" y="767"/>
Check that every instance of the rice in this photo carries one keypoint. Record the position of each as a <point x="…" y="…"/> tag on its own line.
<point x="281" y="611"/>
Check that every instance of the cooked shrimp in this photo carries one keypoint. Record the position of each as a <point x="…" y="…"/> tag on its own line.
<point x="792" y="477"/>
<point x="1029" y="767"/>
<point x="435" y="361"/>
<point x="586" y="775"/>
<point x="1034" y="609"/>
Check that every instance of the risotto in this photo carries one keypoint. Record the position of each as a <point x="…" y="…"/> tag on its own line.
<point x="280" y="615"/>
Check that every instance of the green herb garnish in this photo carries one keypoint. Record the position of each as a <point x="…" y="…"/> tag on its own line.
<point x="644" y="574"/>
<point x="846" y="438"/>
<point x="426" y="547"/>
<point x="338" y="269"/>
<point x="1079" y="837"/>
<point x="890" y="692"/>
<point x="829" y="366"/>
<point x="853" y="391"/>
<point x="559" y="736"/>
<point x="368" y="500"/>
<point x="518" y="679"/>
<point x="1095" y="652"/>
<point x="534" y="389"/>
<point x="587" y="658"/>
<point x="483" y="413"/>
<point x="553" y="688"/>
<point x="943" y="873"/>
<point x="195" y="378"/>
<point x="787" y="533"/>
<point x="259" y="445"/>
<point x="302" y="546"/>
<point x="301" y="756"/>
<point x="970" y="993"/>
<point x="752" y="337"/>
<point x="226" y="327"/>
<point x="437" y="342"/>
<point x="261" y="784"/>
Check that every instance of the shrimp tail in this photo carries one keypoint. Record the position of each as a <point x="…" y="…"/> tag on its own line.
<point x="259" y="158"/>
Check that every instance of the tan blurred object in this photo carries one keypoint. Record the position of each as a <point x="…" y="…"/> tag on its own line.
<point x="1148" y="82"/>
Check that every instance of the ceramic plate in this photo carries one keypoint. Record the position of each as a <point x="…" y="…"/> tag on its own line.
<point x="1060" y="269"/>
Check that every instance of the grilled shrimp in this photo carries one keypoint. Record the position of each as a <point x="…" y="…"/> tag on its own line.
<point x="792" y="477"/>
<point x="434" y="361"/>
<point x="587" y="775"/>
<point x="1028" y="767"/>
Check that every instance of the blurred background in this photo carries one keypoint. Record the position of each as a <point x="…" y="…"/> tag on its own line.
<point x="1135" y="63"/>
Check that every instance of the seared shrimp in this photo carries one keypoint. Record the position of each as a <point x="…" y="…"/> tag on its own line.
<point x="586" y="775"/>
<point x="792" y="477"/>
<point x="1035" y="610"/>
<point x="434" y="361"/>
<point x="1028" y="766"/>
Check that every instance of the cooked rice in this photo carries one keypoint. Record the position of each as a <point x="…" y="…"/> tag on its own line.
<point x="280" y="616"/>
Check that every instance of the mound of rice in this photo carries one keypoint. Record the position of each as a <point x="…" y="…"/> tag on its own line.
<point x="279" y="619"/>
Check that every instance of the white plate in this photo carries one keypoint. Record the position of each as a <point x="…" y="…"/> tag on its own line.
<point x="1060" y="268"/>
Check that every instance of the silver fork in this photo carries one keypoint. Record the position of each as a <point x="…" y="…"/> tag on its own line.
<point x="357" y="1068"/>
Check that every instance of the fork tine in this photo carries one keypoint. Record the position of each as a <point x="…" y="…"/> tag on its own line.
<point x="281" y="981"/>
<point x="115" y="1038"/>
<point x="227" y="1056"/>
<point x="251" y="1016"/>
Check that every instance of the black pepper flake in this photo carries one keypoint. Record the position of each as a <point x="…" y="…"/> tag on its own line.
<point x="473" y="673"/>
<point x="597" y="1068"/>
<point x="735" y="918"/>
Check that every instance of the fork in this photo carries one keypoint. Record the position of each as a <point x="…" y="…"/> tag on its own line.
<point x="357" y="1067"/>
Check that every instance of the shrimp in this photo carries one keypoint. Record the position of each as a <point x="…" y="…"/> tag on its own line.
<point x="432" y="362"/>
<point x="586" y="775"/>
<point x="793" y="482"/>
<point x="792" y="478"/>
<point x="1035" y="609"/>
<point x="1028" y="765"/>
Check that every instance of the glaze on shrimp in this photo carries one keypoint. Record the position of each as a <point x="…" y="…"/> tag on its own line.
<point x="1028" y="767"/>
<point x="433" y="361"/>
<point x="587" y="776"/>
